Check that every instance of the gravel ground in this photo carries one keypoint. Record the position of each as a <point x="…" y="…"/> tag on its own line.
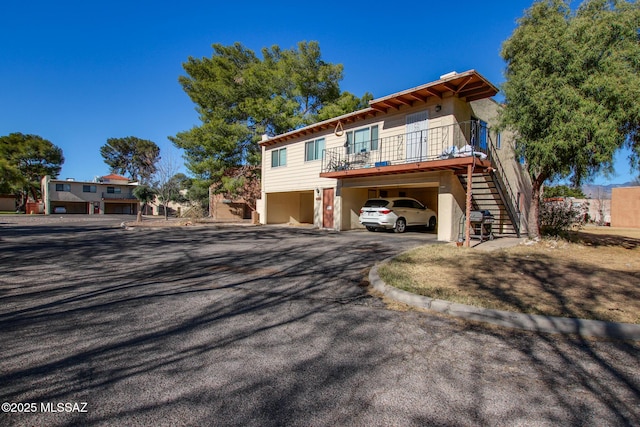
<point x="267" y="326"/>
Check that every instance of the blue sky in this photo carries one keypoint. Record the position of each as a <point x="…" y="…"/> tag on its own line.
<point x="80" y="72"/>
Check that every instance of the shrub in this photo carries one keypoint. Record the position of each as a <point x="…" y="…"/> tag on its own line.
<point x="558" y="216"/>
<point x="194" y="212"/>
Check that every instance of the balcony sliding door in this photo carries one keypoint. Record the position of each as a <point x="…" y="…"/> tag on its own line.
<point x="417" y="130"/>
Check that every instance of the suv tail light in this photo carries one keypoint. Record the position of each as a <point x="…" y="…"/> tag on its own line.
<point x="385" y="211"/>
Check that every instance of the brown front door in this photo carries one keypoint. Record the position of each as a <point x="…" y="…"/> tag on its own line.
<point x="327" y="207"/>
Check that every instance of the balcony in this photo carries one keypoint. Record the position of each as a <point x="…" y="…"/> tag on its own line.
<point x="451" y="147"/>
<point x="119" y="196"/>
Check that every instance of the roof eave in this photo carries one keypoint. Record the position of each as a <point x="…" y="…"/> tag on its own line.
<point x="469" y="85"/>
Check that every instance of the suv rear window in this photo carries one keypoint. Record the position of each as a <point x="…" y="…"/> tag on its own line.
<point x="376" y="203"/>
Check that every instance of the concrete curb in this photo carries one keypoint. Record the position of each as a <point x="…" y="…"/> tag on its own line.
<point x="530" y="322"/>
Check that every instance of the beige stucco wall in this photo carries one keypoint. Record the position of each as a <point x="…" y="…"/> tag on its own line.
<point x="625" y="207"/>
<point x="281" y="207"/>
<point x="352" y="199"/>
<point x="451" y="207"/>
<point x="289" y="207"/>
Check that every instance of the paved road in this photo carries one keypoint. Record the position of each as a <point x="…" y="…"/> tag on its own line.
<point x="268" y="326"/>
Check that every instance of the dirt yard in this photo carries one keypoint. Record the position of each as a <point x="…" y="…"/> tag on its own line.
<point x="595" y="275"/>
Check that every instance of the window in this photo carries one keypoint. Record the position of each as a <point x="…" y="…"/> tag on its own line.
<point x="313" y="150"/>
<point x="279" y="158"/>
<point x="88" y="188"/>
<point x="114" y="190"/>
<point x="416" y="205"/>
<point x="499" y="141"/>
<point x="63" y="187"/>
<point x="362" y="140"/>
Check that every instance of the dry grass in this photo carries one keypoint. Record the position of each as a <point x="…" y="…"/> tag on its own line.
<point x="594" y="276"/>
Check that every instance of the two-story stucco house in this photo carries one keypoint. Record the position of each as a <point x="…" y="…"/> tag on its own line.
<point x="434" y="143"/>
<point x="110" y="194"/>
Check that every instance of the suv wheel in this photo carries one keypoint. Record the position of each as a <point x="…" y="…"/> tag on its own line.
<point x="401" y="225"/>
<point x="432" y="223"/>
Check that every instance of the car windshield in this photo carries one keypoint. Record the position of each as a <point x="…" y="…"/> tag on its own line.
<point x="376" y="203"/>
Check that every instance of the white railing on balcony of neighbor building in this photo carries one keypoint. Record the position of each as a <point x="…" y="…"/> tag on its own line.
<point x="118" y="196"/>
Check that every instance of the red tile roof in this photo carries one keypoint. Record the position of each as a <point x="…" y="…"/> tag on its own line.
<point x="113" y="176"/>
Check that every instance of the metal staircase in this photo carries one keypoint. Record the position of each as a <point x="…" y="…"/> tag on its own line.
<point x="486" y="195"/>
<point x="490" y="192"/>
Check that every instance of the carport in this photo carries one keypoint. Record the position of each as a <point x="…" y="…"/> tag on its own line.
<point x="355" y="191"/>
<point x="70" y="207"/>
<point x="125" y="208"/>
<point x="295" y="207"/>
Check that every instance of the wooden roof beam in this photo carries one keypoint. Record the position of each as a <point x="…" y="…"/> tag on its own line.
<point x="464" y="83"/>
<point x="434" y="93"/>
<point x="404" y="101"/>
<point x="418" y="97"/>
<point x="389" y="105"/>
<point x="481" y="91"/>
<point x="453" y="88"/>
<point x="473" y="86"/>
<point x="457" y="88"/>
<point x="476" y="97"/>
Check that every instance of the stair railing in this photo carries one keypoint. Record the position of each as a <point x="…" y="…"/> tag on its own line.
<point x="504" y="187"/>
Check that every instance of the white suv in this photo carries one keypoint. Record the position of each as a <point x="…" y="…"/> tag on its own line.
<point x="397" y="213"/>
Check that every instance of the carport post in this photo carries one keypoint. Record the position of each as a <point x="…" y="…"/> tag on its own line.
<point x="467" y="222"/>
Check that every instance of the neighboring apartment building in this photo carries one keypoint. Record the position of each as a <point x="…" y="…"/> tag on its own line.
<point x="433" y="143"/>
<point x="110" y="194"/>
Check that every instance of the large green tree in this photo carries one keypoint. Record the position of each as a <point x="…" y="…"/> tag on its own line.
<point x="572" y="89"/>
<point x="24" y="161"/>
<point x="240" y="97"/>
<point x="564" y="191"/>
<point x="133" y="157"/>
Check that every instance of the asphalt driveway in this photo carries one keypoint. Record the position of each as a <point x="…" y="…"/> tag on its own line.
<point x="267" y="326"/>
